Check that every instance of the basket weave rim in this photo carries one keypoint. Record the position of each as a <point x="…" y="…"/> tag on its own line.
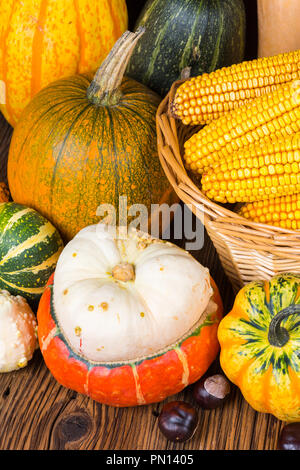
<point x="213" y="213"/>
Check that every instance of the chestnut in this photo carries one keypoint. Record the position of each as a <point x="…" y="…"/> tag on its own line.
<point x="290" y="437"/>
<point x="178" y="421"/>
<point x="211" y="392"/>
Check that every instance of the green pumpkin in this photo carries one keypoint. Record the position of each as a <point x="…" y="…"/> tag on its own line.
<point x="204" y="35"/>
<point x="260" y="345"/>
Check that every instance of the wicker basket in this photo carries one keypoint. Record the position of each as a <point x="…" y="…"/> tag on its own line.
<point x="248" y="250"/>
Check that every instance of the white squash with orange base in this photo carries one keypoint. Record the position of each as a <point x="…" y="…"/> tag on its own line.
<point x="129" y="319"/>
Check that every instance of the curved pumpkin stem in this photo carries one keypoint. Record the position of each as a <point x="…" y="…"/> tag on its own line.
<point x="279" y="336"/>
<point x="104" y="89"/>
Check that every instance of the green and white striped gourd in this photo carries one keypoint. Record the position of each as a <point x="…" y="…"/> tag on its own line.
<point x="29" y="249"/>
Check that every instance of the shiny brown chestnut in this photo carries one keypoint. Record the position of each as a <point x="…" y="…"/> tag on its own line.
<point x="290" y="437"/>
<point x="178" y="421"/>
<point x="211" y="392"/>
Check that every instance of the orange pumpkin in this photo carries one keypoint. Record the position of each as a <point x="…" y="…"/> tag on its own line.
<point x="80" y="144"/>
<point x="128" y="320"/>
<point x="44" y="40"/>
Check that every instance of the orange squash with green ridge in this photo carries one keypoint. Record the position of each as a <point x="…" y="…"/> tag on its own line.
<point x="80" y="144"/>
<point x="44" y="40"/>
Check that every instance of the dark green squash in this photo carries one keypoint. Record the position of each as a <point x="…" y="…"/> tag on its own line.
<point x="202" y="34"/>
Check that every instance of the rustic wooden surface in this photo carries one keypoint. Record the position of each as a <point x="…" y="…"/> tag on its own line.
<point x="37" y="413"/>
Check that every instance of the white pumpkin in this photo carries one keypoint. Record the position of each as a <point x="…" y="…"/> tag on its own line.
<point x="118" y="298"/>
<point x="18" y="338"/>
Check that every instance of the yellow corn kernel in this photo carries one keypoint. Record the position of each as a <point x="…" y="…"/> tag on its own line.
<point x="250" y="168"/>
<point x="246" y="125"/>
<point x="202" y="99"/>
<point x="279" y="211"/>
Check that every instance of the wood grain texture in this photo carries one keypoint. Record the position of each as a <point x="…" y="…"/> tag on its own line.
<point x="36" y="413"/>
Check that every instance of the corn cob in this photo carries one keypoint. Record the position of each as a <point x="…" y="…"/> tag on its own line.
<point x="270" y="116"/>
<point x="279" y="211"/>
<point x="202" y="99"/>
<point x="255" y="173"/>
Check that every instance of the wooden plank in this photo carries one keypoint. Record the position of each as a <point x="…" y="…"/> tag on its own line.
<point x="37" y="413"/>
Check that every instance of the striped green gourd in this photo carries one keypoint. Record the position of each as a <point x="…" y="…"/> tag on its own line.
<point x="202" y="34"/>
<point x="29" y="249"/>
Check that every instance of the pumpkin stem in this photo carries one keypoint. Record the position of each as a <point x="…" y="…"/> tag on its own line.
<point x="185" y="73"/>
<point x="123" y="272"/>
<point x="279" y="336"/>
<point x="104" y="89"/>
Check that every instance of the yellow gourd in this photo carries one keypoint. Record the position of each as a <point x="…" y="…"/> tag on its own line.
<point x="260" y="340"/>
